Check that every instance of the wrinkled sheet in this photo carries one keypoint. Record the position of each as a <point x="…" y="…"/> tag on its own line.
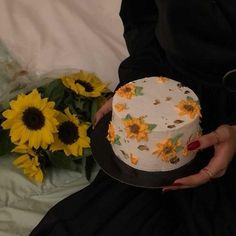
<point x="49" y="36"/>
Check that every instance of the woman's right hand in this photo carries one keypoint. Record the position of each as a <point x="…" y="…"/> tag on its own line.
<point x="107" y="106"/>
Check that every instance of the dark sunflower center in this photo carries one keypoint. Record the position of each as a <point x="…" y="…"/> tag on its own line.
<point x="33" y="118"/>
<point x="134" y="128"/>
<point x="188" y="107"/>
<point x="88" y="87"/>
<point x="68" y="132"/>
<point x="167" y="150"/>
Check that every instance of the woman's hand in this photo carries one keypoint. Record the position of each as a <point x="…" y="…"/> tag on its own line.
<point x="107" y="106"/>
<point x="224" y="141"/>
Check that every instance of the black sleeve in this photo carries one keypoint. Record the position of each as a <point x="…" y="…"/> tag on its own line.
<point x="145" y="54"/>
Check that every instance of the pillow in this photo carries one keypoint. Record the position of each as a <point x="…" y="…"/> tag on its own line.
<point x="56" y="35"/>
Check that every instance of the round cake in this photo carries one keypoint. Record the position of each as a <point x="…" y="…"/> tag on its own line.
<point x="153" y="120"/>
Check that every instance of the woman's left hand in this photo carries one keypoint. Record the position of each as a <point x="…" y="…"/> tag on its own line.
<point x="224" y="141"/>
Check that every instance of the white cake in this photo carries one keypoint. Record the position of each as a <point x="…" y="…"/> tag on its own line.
<point x="153" y="120"/>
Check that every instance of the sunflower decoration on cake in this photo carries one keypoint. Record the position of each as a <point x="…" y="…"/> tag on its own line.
<point x="189" y="107"/>
<point x="31" y="120"/>
<point x="120" y="107"/>
<point x="168" y="149"/>
<point x="71" y="136"/>
<point x="50" y="125"/>
<point x="162" y="79"/>
<point x="112" y="137"/>
<point x="128" y="91"/>
<point x="137" y="128"/>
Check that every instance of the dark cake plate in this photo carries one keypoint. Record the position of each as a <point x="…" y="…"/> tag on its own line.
<point x="117" y="169"/>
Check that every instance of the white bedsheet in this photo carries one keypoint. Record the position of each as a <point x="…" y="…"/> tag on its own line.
<point x="49" y="35"/>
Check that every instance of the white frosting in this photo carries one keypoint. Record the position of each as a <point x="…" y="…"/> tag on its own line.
<point x="157" y="106"/>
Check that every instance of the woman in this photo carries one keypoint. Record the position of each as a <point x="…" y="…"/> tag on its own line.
<point x="192" y="41"/>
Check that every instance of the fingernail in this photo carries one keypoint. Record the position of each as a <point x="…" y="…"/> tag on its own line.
<point x="194" y="145"/>
<point x="176" y="184"/>
<point x="94" y="124"/>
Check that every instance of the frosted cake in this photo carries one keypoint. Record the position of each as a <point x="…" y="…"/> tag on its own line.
<point x="153" y="120"/>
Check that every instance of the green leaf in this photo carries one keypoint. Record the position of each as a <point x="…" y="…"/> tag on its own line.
<point x="117" y="140"/>
<point x="189" y="98"/>
<point x="60" y="160"/>
<point x="175" y="139"/>
<point x="128" y="117"/>
<point x="151" y="126"/>
<point x="5" y="142"/>
<point x="179" y="148"/>
<point x="138" y="91"/>
<point x="94" y="108"/>
<point x="87" y="152"/>
<point x="54" y="91"/>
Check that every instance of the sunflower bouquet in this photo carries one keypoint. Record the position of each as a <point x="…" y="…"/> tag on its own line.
<point x="50" y="125"/>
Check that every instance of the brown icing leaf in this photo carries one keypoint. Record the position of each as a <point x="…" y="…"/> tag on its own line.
<point x="143" y="148"/>
<point x="171" y="90"/>
<point x="171" y="126"/>
<point x="126" y="156"/>
<point x="168" y="98"/>
<point x="178" y="121"/>
<point x="174" y="160"/>
<point x="186" y="92"/>
<point x="156" y="102"/>
<point x="179" y="85"/>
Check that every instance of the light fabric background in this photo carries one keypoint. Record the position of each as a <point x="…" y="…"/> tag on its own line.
<point x="49" y="36"/>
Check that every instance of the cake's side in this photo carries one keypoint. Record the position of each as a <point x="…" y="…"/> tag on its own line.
<point x="153" y="119"/>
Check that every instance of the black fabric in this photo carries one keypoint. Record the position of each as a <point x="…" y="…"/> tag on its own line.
<point x="165" y="39"/>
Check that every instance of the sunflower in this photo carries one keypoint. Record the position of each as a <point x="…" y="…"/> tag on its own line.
<point x="84" y="83"/>
<point x="111" y="133"/>
<point x="72" y="135"/>
<point x="133" y="159"/>
<point x="162" y="79"/>
<point x="189" y="107"/>
<point x="120" y="107"/>
<point x="127" y="91"/>
<point x="29" y="163"/>
<point x="166" y="150"/>
<point x="31" y="120"/>
<point x="136" y="128"/>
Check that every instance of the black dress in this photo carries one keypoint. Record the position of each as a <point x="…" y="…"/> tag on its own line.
<point x="192" y="41"/>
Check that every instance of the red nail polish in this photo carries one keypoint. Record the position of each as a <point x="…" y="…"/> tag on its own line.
<point x="194" y="145"/>
<point x="176" y="184"/>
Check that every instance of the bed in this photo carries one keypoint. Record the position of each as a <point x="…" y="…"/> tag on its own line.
<point x="47" y="36"/>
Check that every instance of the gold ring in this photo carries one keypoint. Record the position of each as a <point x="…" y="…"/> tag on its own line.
<point x="208" y="172"/>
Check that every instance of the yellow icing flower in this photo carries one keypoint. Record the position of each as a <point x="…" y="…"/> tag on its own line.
<point x="136" y="128"/>
<point x="133" y="159"/>
<point x="84" y="83"/>
<point x="31" y="120"/>
<point x="120" y="107"/>
<point x="186" y="152"/>
<point x="127" y="91"/>
<point x="29" y="163"/>
<point x="162" y="79"/>
<point x="189" y="107"/>
<point x="111" y="133"/>
<point x="72" y="135"/>
<point x="167" y="149"/>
